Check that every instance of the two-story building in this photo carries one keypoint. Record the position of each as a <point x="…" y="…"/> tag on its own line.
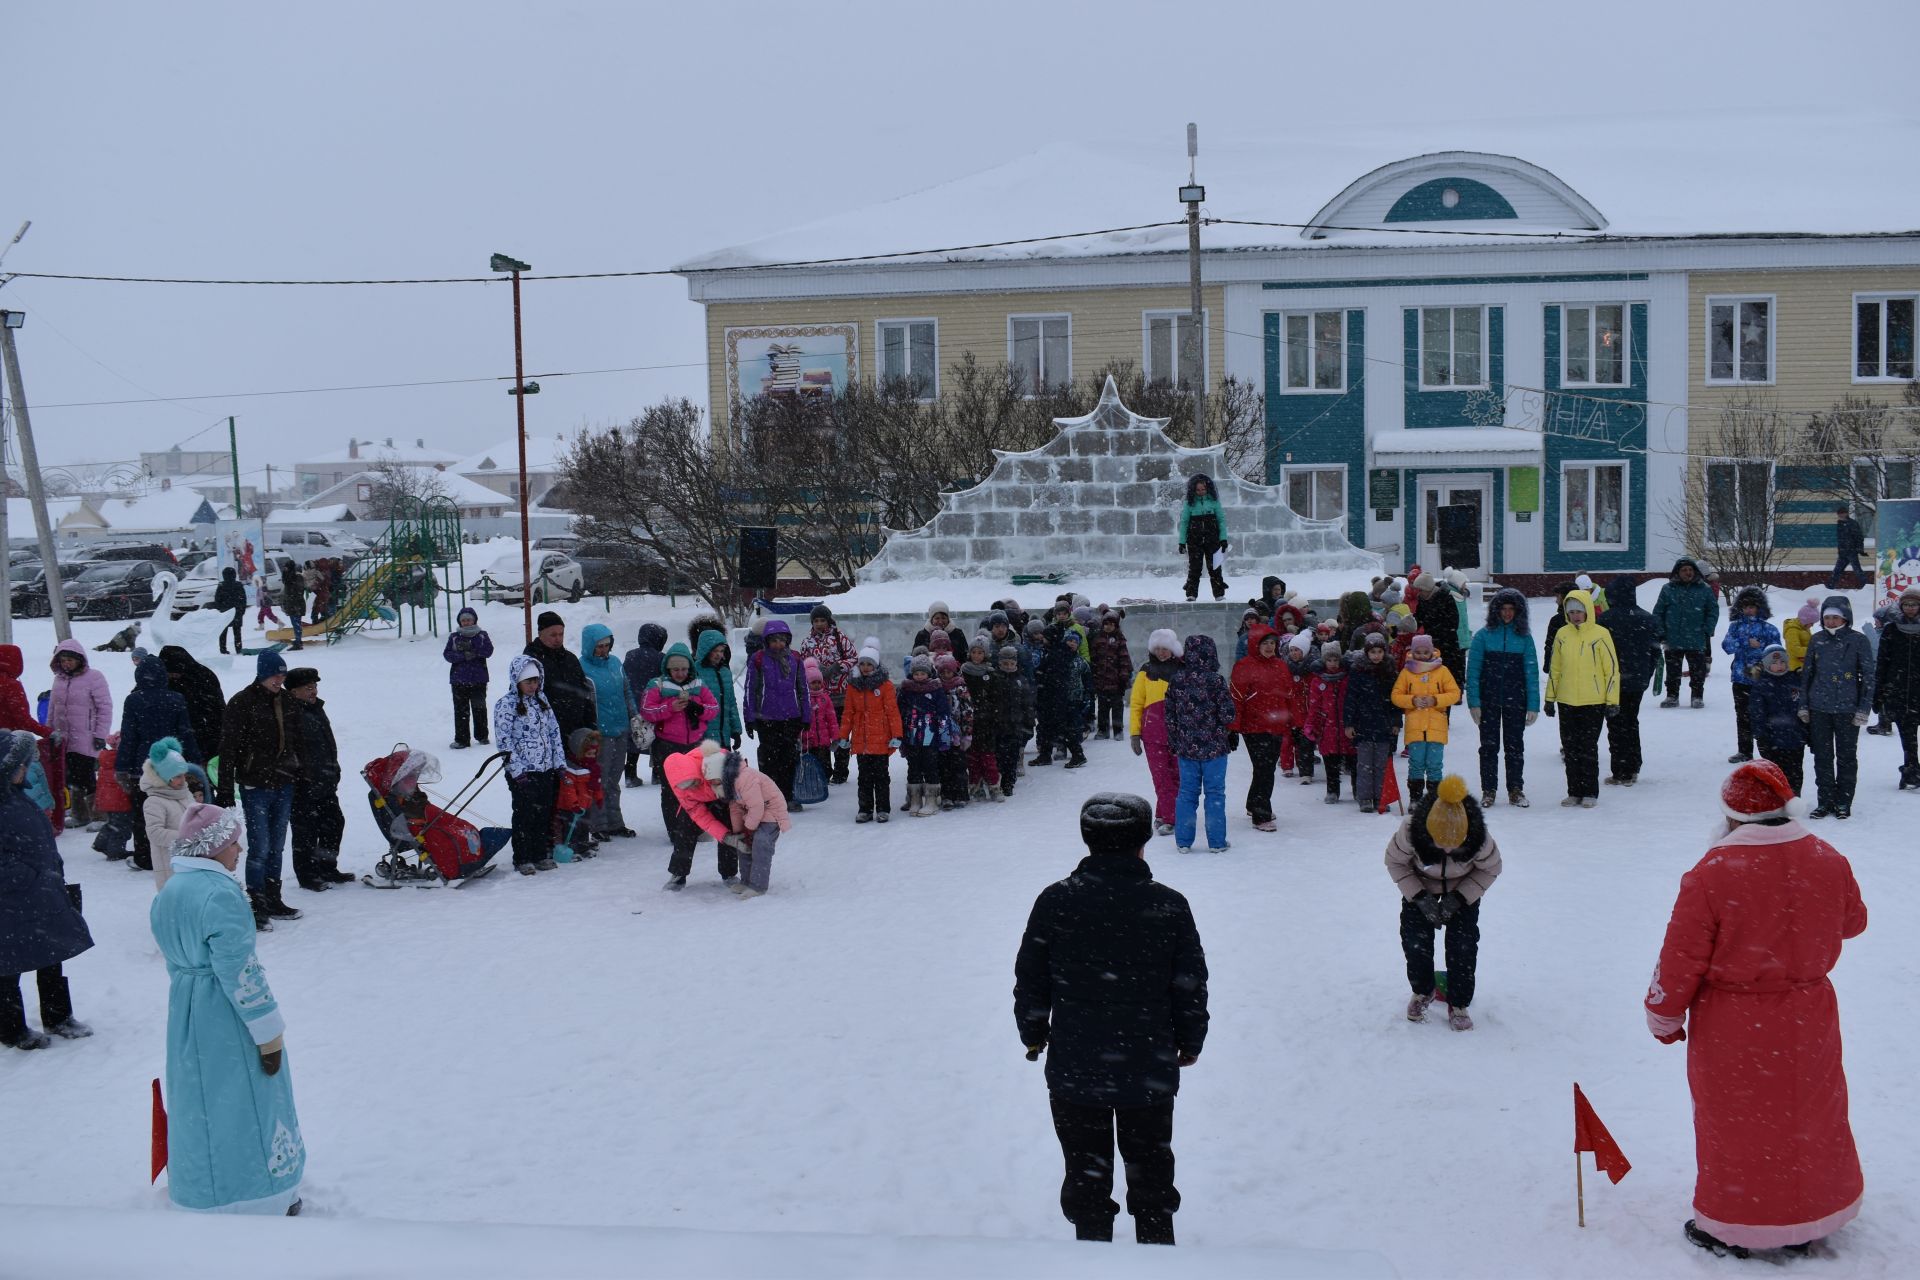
<point x="1461" y="355"/>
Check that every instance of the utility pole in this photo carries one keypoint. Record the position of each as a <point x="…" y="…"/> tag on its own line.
<point x="233" y="456"/>
<point x="1193" y="349"/>
<point x="30" y="463"/>
<point x="6" y="484"/>
<point x="520" y="392"/>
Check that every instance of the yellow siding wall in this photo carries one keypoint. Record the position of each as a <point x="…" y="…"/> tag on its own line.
<point x="1107" y="325"/>
<point x="1813" y="352"/>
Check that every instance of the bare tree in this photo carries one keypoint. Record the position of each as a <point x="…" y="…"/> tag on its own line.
<point x="397" y="486"/>
<point x="658" y="487"/>
<point x="1726" y="515"/>
<point x="1846" y="453"/>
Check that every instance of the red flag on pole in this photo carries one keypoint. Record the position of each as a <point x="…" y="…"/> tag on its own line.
<point x="1389" y="788"/>
<point x="159" y="1133"/>
<point x="1590" y="1135"/>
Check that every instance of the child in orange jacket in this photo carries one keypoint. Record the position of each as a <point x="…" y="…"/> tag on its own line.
<point x="871" y="728"/>
<point x="578" y="793"/>
<point x="1424" y="691"/>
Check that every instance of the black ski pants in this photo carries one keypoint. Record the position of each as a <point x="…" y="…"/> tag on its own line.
<point x="1835" y="739"/>
<point x="1623" y="736"/>
<point x="469" y="708"/>
<point x="1110" y="712"/>
<point x="1742" y="722"/>
<point x="875" y="783"/>
<point x="1792" y="763"/>
<point x="1502" y="729"/>
<point x="1698" y="660"/>
<point x="1263" y="749"/>
<point x="1305" y="754"/>
<point x="533" y="794"/>
<point x="233" y="627"/>
<point x="1006" y="754"/>
<point x="317" y="826"/>
<point x="1199" y="561"/>
<point x="1580" y="742"/>
<point x="56" y="1001"/>
<point x="779" y="753"/>
<point x="1146" y="1144"/>
<point x="1463" y="951"/>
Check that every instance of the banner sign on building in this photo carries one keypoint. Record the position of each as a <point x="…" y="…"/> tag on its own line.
<point x="1897" y="555"/>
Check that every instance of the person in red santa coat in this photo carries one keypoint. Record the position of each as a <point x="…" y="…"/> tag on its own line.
<point x="1755" y="931"/>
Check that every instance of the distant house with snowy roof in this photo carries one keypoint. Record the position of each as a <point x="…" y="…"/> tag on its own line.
<point x="498" y="468"/>
<point x="326" y="470"/>
<point x="166" y="510"/>
<point x="1461" y="355"/>
<point x="356" y="495"/>
<point x="66" y="515"/>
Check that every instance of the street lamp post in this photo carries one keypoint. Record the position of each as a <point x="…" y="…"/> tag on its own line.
<point x="520" y="391"/>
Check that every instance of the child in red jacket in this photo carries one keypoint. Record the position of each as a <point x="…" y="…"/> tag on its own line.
<point x="579" y="792"/>
<point x="1326" y="716"/>
<point x="823" y="730"/>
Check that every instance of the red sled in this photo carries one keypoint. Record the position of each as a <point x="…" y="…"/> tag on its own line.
<point x="428" y="844"/>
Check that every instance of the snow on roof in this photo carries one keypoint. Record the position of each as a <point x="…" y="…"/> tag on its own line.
<point x="1701" y="172"/>
<point x="1468" y="446"/>
<point x="544" y="454"/>
<point x="325" y="514"/>
<point x="372" y="451"/>
<point x="20" y="515"/>
<point x="465" y="493"/>
<point x="160" y="511"/>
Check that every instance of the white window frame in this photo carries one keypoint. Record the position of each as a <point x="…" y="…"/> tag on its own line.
<point x="1486" y="341"/>
<point x="1591" y="543"/>
<point x="1706" y="491"/>
<point x="1045" y="373"/>
<point x="1853" y="364"/>
<point x="1286" y="483"/>
<point x="1310" y="313"/>
<point x="1773" y="339"/>
<point x="1626" y="343"/>
<point x="1175" y="314"/>
<point x="879" y="351"/>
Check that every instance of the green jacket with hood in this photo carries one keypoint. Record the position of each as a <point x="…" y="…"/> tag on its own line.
<point x="725" y="727"/>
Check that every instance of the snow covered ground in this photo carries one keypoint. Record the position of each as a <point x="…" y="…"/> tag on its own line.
<point x="838" y="1059"/>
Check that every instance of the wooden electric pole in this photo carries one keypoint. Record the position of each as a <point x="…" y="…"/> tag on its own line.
<point x="30" y="463"/>
<point x="1192" y="347"/>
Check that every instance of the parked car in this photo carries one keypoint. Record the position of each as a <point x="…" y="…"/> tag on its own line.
<point x="28" y="585"/>
<point x="188" y="559"/>
<point x="611" y="568"/>
<point x="566" y="542"/>
<point x="303" y="546"/>
<point x="198" y="584"/>
<point x="150" y="551"/>
<point x="556" y="576"/>
<point x="115" y="589"/>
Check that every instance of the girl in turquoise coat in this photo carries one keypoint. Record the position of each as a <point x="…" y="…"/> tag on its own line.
<point x="233" y="1139"/>
<point x="712" y="662"/>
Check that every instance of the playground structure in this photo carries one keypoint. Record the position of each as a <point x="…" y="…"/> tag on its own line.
<point x="414" y="566"/>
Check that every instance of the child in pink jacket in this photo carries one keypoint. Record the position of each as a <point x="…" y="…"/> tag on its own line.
<point x="823" y="730"/>
<point x="757" y="811"/>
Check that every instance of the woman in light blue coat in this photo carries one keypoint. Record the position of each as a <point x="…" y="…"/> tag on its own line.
<point x="233" y="1138"/>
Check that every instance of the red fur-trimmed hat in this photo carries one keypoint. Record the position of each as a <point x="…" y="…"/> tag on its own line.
<point x="1756" y="791"/>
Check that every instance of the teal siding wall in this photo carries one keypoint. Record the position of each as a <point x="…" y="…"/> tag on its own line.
<point x="1410" y="507"/>
<point x="1454" y="408"/>
<point x="1601" y="424"/>
<point x="1323" y="428"/>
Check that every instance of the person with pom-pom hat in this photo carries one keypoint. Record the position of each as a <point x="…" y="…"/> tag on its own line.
<point x="1443" y="860"/>
<point x="1742" y="978"/>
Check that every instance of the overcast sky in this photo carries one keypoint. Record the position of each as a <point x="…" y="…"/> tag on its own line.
<point x="416" y="137"/>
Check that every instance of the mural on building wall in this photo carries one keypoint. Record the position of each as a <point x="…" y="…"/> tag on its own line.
<point x="1898" y="547"/>
<point x="792" y="360"/>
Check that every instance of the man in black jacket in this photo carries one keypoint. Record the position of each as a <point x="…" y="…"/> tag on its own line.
<point x="567" y="686"/>
<point x="230" y="597"/>
<point x="1636" y="640"/>
<point x="1849" y="541"/>
<point x="259" y="755"/>
<point x="317" y="822"/>
<point x="1111" y="981"/>
<point x="293" y="595"/>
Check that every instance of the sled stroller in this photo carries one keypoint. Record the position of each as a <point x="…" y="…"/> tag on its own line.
<point x="428" y="844"/>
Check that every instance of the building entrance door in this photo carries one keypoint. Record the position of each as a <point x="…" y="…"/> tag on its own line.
<point x="1456" y="523"/>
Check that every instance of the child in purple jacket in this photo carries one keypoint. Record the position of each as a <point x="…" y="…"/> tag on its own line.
<point x="468" y="649"/>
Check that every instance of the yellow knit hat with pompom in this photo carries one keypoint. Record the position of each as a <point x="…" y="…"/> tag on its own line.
<point x="1447" y="820"/>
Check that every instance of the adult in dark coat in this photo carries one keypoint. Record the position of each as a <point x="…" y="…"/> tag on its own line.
<point x="1439" y="616"/>
<point x="230" y="597"/>
<point x="151" y="712"/>
<point x="940" y="618"/>
<point x="567" y="688"/>
<point x="1687" y="610"/>
<point x="643" y="668"/>
<point x="1636" y="641"/>
<point x="316" y="820"/>
<point x="259" y="757"/>
<point x="40" y="922"/>
<point x="1896" y="684"/>
<point x="206" y="700"/>
<point x="1849" y="541"/>
<point x="1111" y="982"/>
<point x="293" y="595"/>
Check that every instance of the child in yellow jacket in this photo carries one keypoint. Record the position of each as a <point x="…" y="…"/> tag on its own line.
<point x="1424" y="691"/>
<point x="1797" y="633"/>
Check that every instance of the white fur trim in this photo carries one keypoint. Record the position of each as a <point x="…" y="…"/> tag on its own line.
<point x="268" y="1028"/>
<point x="1753" y="833"/>
<point x="1734" y="815"/>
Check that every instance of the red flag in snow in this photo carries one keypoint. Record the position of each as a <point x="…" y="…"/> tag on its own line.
<point x="1590" y="1135"/>
<point x="1389" y="788"/>
<point x="159" y="1133"/>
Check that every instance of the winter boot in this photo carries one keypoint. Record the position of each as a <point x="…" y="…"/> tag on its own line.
<point x="78" y="812"/>
<point x="1078" y="759"/>
<point x="863" y="816"/>
<point x="1417" y="1007"/>
<point x="1459" y="1020"/>
<point x="1486" y="799"/>
<point x="258" y="900"/>
<point x="1699" y="701"/>
<point x="1153" y="1229"/>
<point x="1518" y="799"/>
<point x="1416" y="787"/>
<point x="1265" y="824"/>
<point x="25" y="1038"/>
<point x="140" y="862"/>
<point x="883" y="812"/>
<point x="277" y="909"/>
<point x="70" y="1028"/>
<point x="1713" y="1244"/>
<point x="1100" y="1229"/>
<point x="330" y="871"/>
<point x="1671" y="700"/>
